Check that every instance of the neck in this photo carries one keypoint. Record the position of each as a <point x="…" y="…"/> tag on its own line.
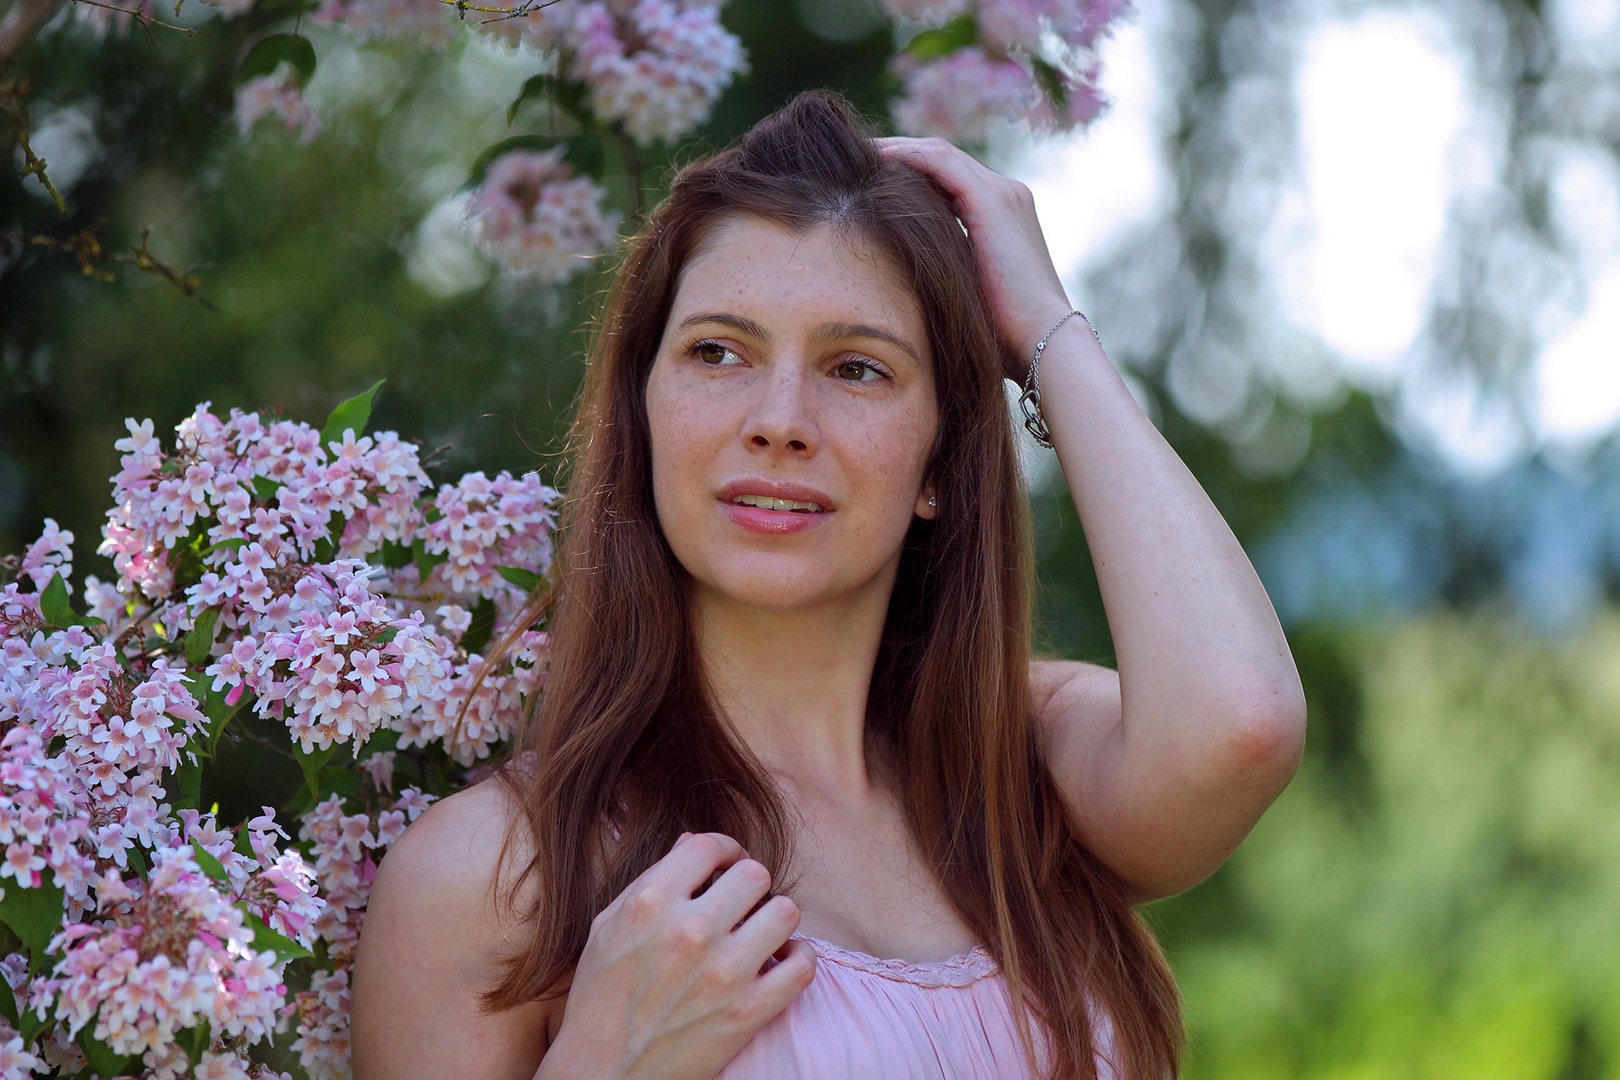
<point x="793" y="684"/>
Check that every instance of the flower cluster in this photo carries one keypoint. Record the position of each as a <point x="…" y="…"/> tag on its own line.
<point x="1029" y="60"/>
<point x="533" y="215"/>
<point x="657" y="66"/>
<point x="169" y="952"/>
<point x="270" y="576"/>
<point x="343" y="669"/>
<point x="275" y="95"/>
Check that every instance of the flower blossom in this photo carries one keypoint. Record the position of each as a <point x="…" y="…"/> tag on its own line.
<point x="532" y="214"/>
<point x="342" y="669"/>
<point x="1032" y="61"/>
<point x="275" y="95"/>
<point x="658" y="66"/>
<point x="171" y="952"/>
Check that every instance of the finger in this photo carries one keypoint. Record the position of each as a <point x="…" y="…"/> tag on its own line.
<point x="795" y="969"/>
<point x="957" y="170"/>
<point x="729" y="900"/>
<point x="764" y="932"/>
<point x="693" y="860"/>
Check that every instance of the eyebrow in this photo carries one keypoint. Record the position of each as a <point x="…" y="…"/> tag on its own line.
<point x="831" y="331"/>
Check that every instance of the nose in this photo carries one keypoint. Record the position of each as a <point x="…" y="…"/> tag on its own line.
<point x="782" y="416"/>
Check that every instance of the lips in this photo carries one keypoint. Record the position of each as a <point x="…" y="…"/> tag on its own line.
<point x="760" y="488"/>
<point x="774" y="507"/>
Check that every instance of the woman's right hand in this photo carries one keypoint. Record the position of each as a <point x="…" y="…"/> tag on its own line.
<point x="670" y="986"/>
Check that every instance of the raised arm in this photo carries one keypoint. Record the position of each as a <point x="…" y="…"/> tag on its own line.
<point x="1166" y="765"/>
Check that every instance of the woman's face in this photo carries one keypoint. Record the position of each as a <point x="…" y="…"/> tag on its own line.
<point x="792" y="414"/>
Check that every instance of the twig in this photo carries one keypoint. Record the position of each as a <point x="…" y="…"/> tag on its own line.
<point x="187" y="282"/>
<point x="424" y="462"/>
<point x="501" y="13"/>
<point x="11" y="108"/>
<point x="86" y="248"/>
<point x="143" y="20"/>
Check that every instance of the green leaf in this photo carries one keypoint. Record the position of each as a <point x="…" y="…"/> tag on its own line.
<point x="103" y="1059"/>
<point x="210" y="865"/>
<point x="425" y="559"/>
<point x="527" y="580"/>
<point x="33" y="915"/>
<point x="29" y="1024"/>
<point x="959" y="33"/>
<point x="394" y="555"/>
<point x="1051" y="80"/>
<point x="187" y="786"/>
<point x="8" y="1003"/>
<point x="568" y="95"/>
<point x="284" y="947"/>
<point x="271" y="52"/>
<point x="219" y="713"/>
<point x="200" y="639"/>
<point x="380" y="743"/>
<point x="137" y="861"/>
<point x="235" y="543"/>
<point x="340" y="780"/>
<point x="244" y="843"/>
<point x="476" y="639"/>
<point x="53" y="602"/>
<point x="353" y="413"/>
<point x="312" y="763"/>
<point x="264" y="488"/>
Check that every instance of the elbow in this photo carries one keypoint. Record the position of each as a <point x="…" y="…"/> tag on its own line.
<point x="1263" y="735"/>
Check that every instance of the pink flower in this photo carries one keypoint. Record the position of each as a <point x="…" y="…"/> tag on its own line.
<point x="531" y="214"/>
<point x="267" y="95"/>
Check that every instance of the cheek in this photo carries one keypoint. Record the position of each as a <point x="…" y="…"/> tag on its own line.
<point x="889" y="464"/>
<point x="684" y="438"/>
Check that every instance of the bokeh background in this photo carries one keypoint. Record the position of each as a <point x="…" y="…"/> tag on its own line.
<point x="1360" y="262"/>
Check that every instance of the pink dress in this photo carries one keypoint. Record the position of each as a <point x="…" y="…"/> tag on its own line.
<point x="891" y="1020"/>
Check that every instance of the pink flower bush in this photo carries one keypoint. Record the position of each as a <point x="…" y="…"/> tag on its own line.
<point x="269" y="574"/>
<point x="533" y="215"/>
<point x="1032" y="61"/>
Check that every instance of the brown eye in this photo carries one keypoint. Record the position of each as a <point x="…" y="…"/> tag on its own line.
<point x="714" y="354"/>
<point x="855" y="370"/>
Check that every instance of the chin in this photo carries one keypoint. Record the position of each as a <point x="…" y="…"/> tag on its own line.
<point x="770" y="584"/>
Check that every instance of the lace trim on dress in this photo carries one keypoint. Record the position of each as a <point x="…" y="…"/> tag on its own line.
<point x="961" y="970"/>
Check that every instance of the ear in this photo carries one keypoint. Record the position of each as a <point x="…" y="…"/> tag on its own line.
<point x="927" y="503"/>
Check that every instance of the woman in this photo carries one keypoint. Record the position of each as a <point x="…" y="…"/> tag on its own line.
<point x="790" y="701"/>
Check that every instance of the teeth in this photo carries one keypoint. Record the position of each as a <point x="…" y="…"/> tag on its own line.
<point x="765" y="502"/>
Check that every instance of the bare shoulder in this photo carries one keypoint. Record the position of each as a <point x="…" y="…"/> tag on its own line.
<point x="434" y="939"/>
<point x="451" y="853"/>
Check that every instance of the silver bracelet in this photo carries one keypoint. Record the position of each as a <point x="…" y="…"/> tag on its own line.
<point x="1030" y="402"/>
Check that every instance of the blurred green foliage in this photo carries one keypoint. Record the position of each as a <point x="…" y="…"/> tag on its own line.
<point x="1438" y="893"/>
<point x="1436" y="899"/>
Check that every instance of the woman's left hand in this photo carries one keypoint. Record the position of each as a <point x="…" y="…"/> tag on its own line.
<point x="1026" y="295"/>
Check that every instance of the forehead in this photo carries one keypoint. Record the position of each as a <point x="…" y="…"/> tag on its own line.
<point x="782" y="275"/>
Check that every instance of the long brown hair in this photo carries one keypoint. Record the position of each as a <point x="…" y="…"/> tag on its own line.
<point x="626" y="750"/>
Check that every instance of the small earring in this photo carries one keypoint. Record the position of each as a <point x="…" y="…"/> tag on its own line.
<point x="930" y="500"/>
